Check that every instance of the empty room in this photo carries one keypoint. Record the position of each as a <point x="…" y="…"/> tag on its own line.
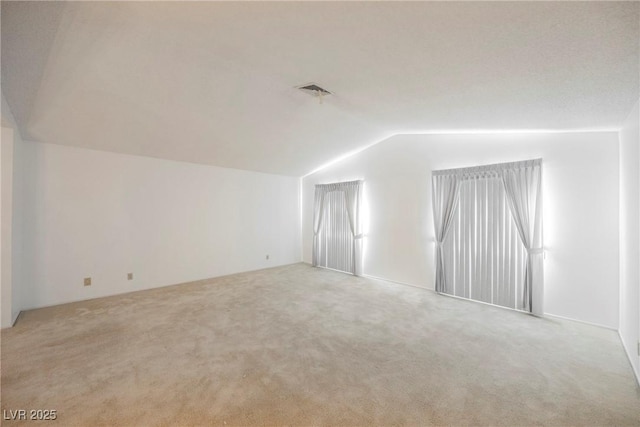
<point x="320" y="213"/>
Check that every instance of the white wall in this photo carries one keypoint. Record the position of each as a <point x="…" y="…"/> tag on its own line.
<point x="13" y="280"/>
<point x="103" y="215"/>
<point x="580" y="184"/>
<point x="6" y="213"/>
<point x="630" y="237"/>
<point x="17" y="226"/>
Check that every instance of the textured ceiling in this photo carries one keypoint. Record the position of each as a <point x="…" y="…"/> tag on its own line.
<point x="213" y="82"/>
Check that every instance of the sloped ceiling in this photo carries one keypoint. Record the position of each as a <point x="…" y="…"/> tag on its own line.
<point x="213" y="82"/>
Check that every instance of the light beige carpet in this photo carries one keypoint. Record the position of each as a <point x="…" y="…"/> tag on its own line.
<point x="296" y="345"/>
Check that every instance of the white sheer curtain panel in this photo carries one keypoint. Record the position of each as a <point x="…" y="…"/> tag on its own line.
<point x="445" y="193"/>
<point x="523" y="185"/>
<point x="337" y="233"/>
<point x="483" y="254"/>
<point x="491" y="251"/>
<point x="318" y="214"/>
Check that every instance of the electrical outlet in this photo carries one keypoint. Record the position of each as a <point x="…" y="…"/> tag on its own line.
<point x="129" y="276"/>
<point x="87" y="281"/>
<point x="267" y="257"/>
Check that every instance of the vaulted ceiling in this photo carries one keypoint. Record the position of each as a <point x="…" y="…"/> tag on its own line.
<point x="214" y="82"/>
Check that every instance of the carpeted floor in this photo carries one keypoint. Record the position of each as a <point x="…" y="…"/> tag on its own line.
<point x="296" y="345"/>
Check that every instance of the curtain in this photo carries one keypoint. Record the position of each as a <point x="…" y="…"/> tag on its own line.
<point x="522" y="184"/>
<point x="318" y="204"/>
<point x="353" y="194"/>
<point x="337" y="234"/>
<point x="490" y="244"/>
<point x="483" y="254"/>
<point x="445" y="192"/>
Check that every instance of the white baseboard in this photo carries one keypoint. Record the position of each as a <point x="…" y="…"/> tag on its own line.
<point x="629" y="356"/>
<point x="147" y="288"/>
<point x="13" y="321"/>
<point x="581" y="321"/>
<point x="396" y="282"/>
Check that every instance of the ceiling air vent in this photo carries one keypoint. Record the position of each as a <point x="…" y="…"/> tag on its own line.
<point x="314" y="90"/>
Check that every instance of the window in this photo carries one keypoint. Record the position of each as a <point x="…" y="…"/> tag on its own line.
<point x="488" y="226"/>
<point x="337" y="239"/>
